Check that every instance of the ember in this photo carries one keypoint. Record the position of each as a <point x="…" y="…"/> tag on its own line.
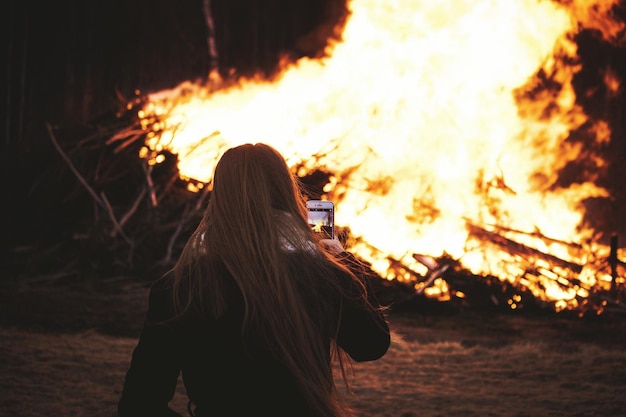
<point x="441" y="137"/>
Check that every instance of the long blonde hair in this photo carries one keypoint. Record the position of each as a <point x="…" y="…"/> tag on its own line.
<point x="256" y="214"/>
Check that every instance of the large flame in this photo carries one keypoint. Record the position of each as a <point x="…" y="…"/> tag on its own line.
<point x="420" y="115"/>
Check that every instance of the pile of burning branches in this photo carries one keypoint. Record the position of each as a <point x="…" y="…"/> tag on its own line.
<point x="126" y="221"/>
<point x="527" y="290"/>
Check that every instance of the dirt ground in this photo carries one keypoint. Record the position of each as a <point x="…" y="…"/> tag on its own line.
<point x="120" y="312"/>
<point x="64" y="351"/>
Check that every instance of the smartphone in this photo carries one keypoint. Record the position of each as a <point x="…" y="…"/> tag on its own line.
<point x="322" y="217"/>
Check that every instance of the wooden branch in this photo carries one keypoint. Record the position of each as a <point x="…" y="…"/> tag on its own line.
<point x="133" y="208"/>
<point x="537" y="235"/>
<point x="396" y="263"/>
<point x="432" y="276"/>
<point x="614" y="262"/>
<point x="213" y="56"/>
<point x="519" y="248"/>
<point x="117" y="227"/>
<point x="168" y="185"/>
<point x="168" y="254"/>
<point x="200" y="201"/>
<point x="147" y="171"/>
<point x="73" y="168"/>
<point x="50" y="278"/>
<point x="128" y="142"/>
<point x="124" y="134"/>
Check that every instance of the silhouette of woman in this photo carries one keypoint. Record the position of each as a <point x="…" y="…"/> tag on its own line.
<point x="256" y="312"/>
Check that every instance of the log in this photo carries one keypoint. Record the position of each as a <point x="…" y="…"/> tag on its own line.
<point x="519" y="248"/>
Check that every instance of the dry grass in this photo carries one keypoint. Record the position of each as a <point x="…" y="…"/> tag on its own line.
<point x="522" y="379"/>
<point x="435" y="367"/>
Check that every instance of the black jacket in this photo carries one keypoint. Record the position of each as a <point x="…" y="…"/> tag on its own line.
<point x="221" y="377"/>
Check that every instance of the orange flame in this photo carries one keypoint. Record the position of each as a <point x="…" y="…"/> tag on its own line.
<point x="423" y="116"/>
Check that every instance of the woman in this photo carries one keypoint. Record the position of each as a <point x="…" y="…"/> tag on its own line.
<point x="256" y="311"/>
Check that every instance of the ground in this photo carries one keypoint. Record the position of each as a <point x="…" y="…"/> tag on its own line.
<point x="66" y="351"/>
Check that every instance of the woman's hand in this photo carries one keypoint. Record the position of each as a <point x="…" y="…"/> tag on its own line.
<point x="332" y="245"/>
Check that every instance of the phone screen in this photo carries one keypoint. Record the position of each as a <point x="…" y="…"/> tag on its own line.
<point x="322" y="219"/>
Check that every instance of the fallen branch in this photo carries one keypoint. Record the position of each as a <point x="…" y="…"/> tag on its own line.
<point x="147" y="171"/>
<point x="519" y="248"/>
<point x="132" y="209"/>
<point x="185" y="216"/>
<point x="394" y="263"/>
<point x="203" y="196"/>
<point x="128" y="136"/>
<point x="432" y="276"/>
<point x="537" y="235"/>
<point x="73" y="168"/>
<point x="116" y="225"/>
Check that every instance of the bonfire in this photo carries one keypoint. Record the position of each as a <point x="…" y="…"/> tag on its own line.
<point x="447" y="148"/>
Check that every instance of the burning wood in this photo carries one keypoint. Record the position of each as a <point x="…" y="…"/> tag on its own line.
<point x="519" y="249"/>
<point x="595" y="298"/>
<point x="434" y="270"/>
<point x="129" y="244"/>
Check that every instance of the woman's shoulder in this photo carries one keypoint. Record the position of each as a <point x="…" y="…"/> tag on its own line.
<point x="160" y="299"/>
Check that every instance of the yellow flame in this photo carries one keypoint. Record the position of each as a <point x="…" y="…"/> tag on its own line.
<point x="424" y="115"/>
<point x="317" y="227"/>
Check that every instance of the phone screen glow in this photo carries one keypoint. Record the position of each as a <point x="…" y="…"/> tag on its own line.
<point x="321" y="220"/>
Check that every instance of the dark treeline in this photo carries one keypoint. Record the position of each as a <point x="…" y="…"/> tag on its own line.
<point x="68" y="60"/>
<point x="73" y="64"/>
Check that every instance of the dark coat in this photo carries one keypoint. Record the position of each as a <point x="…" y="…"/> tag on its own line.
<point x="222" y="377"/>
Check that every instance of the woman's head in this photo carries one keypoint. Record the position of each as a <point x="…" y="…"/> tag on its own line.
<point x="252" y="180"/>
<point x="255" y="175"/>
<point x="256" y="200"/>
